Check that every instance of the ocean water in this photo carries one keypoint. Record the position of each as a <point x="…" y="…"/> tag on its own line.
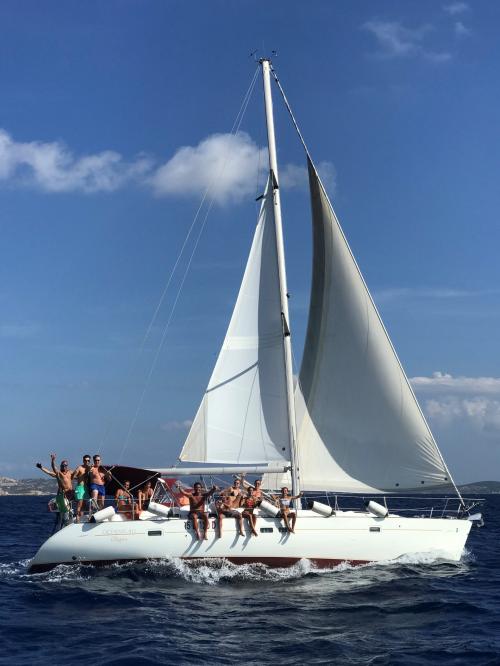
<point x="417" y="611"/>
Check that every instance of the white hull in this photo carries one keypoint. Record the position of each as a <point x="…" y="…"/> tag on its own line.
<point x="346" y="537"/>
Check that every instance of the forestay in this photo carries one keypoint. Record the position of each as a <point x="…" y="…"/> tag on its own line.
<point x="360" y="427"/>
<point x="243" y="415"/>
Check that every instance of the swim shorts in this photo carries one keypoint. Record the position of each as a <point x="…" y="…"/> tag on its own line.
<point x="62" y="503"/>
<point x="101" y="490"/>
<point x="81" y="492"/>
<point x="231" y="513"/>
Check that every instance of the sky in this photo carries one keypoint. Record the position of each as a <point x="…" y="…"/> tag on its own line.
<point x="115" y="118"/>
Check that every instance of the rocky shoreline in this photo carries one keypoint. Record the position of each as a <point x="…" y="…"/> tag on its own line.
<point x="49" y="487"/>
<point x="27" y="486"/>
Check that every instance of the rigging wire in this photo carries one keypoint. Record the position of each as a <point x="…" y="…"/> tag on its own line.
<point x="289" y="109"/>
<point x="234" y="130"/>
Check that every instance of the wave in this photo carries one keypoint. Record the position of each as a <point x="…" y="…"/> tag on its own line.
<point x="215" y="571"/>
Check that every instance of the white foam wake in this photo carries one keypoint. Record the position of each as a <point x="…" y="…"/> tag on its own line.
<point x="214" y="571"/>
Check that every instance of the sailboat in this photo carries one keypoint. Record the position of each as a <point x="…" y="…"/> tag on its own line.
<point x="351" y="424"/>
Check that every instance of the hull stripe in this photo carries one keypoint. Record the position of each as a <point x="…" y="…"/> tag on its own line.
<point x="272" y="562"/>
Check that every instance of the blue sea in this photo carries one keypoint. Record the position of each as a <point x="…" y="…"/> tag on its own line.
<point x="417" y="611"/>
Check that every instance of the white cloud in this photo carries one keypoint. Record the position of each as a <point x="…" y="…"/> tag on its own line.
<point x="456" y="8"/>
<point x="226" y="163"/>
<point x="463" y="402"/>
<point x="53" y="168"/>
<point x="170" y="426"/>
<point x="436" y="293"/>
<point x="395" y="40"/>
<point x="293" y="176"/>
<point x="461" y="30"/>
<point x="442" y="383"/>
<point x="481" y="413"/>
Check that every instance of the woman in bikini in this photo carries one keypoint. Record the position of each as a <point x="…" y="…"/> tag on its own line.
<point x="249" y="504"/>
<point x="284" y="502"/>
<point x="124" y="505"/>
<point x="257" y="492"/>
<point x="144" y="496"/>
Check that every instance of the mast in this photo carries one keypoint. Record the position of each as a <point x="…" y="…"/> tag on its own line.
<point x="287" y="348"/>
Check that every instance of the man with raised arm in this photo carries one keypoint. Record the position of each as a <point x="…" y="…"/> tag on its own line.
<point x="64" y="485"/>
<point x="197" y="501"/>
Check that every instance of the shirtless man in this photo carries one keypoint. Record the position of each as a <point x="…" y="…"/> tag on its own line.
<point x="63" y="476"/>
<point x="227" y="508"/>
<point x="233" y="494"/>
<point x="81" y="474"/>
<point x="98" y="477"/>
<point x="64" y="486"/>
<point x="197" y="501"/>
<point x="231" y="501"/>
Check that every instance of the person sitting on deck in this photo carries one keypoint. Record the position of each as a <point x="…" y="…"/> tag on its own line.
<point x="227" y="506"/>
<point x="197" y="501"/>
<point x="144" y="496"/>
<point x="257" y="492"/>
<point x="124" y="501"/>
<point x="284" y="502"/>
<point x="249" y="504"/>
<point x="234" y="493"/>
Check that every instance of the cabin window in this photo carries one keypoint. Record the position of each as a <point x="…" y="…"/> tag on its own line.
<point x="374" y="529"/>
<point x="154" y="533"/>
<point x="266" y="529"/>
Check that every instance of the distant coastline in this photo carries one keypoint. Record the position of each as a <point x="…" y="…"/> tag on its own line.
<point x="42" y="486"/>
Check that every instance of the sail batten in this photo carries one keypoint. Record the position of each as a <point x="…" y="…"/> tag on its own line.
<point x="360" y="427"/>
<point x="242" y="418"/>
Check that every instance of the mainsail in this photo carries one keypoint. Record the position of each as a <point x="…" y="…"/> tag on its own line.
<point x="359" y="425"/>
<point x="243" y="415"/>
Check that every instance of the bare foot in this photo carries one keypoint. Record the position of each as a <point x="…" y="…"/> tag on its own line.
<point x="255" y="533"/>
<point x="206" y="537"/>
<point x="242" y="533"/>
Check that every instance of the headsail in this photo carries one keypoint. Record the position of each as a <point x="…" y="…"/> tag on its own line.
<point x="359" y="425"/>
<point x="243" y="415"/>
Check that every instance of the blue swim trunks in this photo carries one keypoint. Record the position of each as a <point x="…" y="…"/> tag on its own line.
<point x="101" y="490"/>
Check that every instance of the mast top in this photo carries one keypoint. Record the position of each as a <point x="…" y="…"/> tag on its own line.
<point x="267" y="58"/>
